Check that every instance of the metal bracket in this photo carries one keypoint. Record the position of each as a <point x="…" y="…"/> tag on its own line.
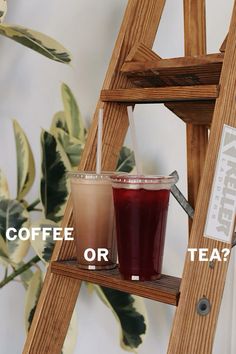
<point x="185" y="204"/>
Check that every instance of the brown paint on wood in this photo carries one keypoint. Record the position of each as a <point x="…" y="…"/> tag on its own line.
<point x="193" y="333"/>
<point x="59" y="294"/>
<point x="164" y="290"/>
<point x="161" y="94"/>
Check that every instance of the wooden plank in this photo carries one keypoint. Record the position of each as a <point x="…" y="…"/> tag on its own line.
<point x="197" y="141"/>
<point x="223" y="45"/>
<point x="63" y="291"/>
<point x="198" y="70"/>
<point x="165" y="290"/>
<point x="199" y="279"/>
<point x="140" y="52"/>
<point x="145" y="59"/>
<point x="194" y="27"/>
<point x="194" y="112"/>
<point x="161" y="94"/>
<point x="140" y="24"/>
<point x="197" y="135"/>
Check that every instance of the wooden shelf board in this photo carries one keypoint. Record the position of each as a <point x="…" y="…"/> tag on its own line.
<point x="164" y="290"/>
<point x="184" y="71"/>
<point x="161" y="94"/>
<point x="194" y="112"/>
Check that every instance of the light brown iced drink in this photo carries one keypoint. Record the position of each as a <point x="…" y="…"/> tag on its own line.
<point x="93" y="215"/>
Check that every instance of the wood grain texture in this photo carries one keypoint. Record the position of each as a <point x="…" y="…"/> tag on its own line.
<point x="223" y="45"/>
<point x="194" y="27"/>
<point x="161" y="94"/>
<point x="198" y="70"/>
<point x="165" y="290"/>
<point x="197" y="135"/>
<point x="59" y="293"/>
<point x="140" y="52"/>
<point x="193" y="333"/>
<point x="53" y="314"/>
<point x="197" y="141"/>
<point x="194" y="112"/>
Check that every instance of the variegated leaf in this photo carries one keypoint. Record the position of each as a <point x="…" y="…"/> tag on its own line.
<point x="36" y="41"/>
<point x="4" y="260"/>
<point x="54" y="181"/>
<point x="59" y="121"/>
<point x="44" y="247"/>
<point x="72" y="146"/>
<point x="4" y="191"/>
<point x="73" y="116"/>
<point x="130" y="312"/>
<point x="14" y="214"/>
<point x="72" y="335"/>
<point x="26" y="276"/>
<point x="32" y="296"/>
<point x="25" y="162"/>
<point x="126" y="161"/>
<point x="3" y="10"/>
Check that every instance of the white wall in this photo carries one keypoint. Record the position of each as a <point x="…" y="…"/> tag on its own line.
<point x="30" y="91"/>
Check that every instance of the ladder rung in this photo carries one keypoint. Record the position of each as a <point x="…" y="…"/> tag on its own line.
<point x="184" y="71"/>
<point x="161" y="94"/>
<point x="164" y="290"/>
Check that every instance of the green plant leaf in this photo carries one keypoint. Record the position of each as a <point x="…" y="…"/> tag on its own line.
<point x="73" y="116"/>
<point x="32" y="296"/>
<point x="72" y="146"/>
<point x="36" y="41"/>
<point x="54" y="181"/>
<point x="126" y="161"/>
<point x="72" y="335"/>
<point x="43" y="248"/>
<point x="130" y="312"/>
<point x="3" y="10"/>
<point x="14" y="214"/>
<point x="25" y="162"/>
<point x="25" y="276"/>
<point x="59" y="121"/>
<point x="4" y="260"/>
<point x="4" y="191"/>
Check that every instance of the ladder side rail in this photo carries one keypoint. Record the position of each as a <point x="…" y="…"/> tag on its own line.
<point x="192" y="333"/>
<point x="197" y="135"/>
<point x="59" y="294"/>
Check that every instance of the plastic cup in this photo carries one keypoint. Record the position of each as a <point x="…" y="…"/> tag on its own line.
<point x="93" y="214"/>
<point x="141" y="207"/>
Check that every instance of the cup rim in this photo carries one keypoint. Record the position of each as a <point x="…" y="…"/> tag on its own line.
<point x="90" y="175"/>
<point x="143" y="179"/>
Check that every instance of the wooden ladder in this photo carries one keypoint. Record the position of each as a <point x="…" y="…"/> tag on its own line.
<point x="201" y="90"/>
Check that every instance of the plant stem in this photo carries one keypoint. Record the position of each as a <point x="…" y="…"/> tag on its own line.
<point x="33" y="205"/>
<point x="19" y="271"/>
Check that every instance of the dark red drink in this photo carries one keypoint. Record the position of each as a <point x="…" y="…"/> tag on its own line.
<point x="141" y="206"/>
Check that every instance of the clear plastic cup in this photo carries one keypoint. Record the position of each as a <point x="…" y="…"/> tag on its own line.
<point x="141" y="207"/>
<point x="93" y="214"/>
